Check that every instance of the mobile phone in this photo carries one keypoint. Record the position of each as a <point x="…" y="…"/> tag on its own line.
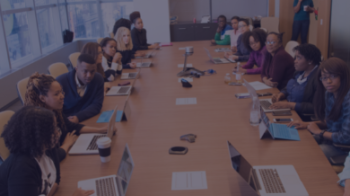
<point x="264" y="94"/>
<point x="282" y="120"/>
<point x="123" y="83"/>
<point x="282" y="113"/>
<point x="235" y="84"/>
<point x="242" y="95"/>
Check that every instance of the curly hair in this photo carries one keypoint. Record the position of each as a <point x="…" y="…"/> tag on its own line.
<point x="39" y="84"/>
<point x="310" y="53"/>
<point x="91" y="48"/>
<point x="279" y="36"/>
<point x="259" y="35"/>
<point x="121" y="23"/>
<point x="134" y="15"/>
<point x="30" y="131"/>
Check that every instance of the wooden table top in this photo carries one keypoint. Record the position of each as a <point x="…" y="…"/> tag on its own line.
<point x="156" y="124"/>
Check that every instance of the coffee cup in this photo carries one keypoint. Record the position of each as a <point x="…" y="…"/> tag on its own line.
<point x="104" y="148"/>
<point x="305" y="7"/>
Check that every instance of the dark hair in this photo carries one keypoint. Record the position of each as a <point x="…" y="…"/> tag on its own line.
<point x="121" y="23"/>
<point x="259" y="35"/>
<point x="29" y="131"/>
<point x="86" y="58"/>
<point x="134" y="15"/>
<point x="310" y="52"/>
<point x="279" y="36"/>
<point x="91" y="48"/>
<point x="235" y="17"/>
<point x="105" y="41"/>
<point x="339" y="68"/>
<point x="246" y="21"/>
<point x="222" y="16"/>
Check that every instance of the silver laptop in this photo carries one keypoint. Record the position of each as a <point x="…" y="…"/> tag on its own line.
<point x="268" y="180"/>
<point x="216" y="60"/>
<point x="150" y="54"/>
<point x="113" y="185"/>
<point x="86" y="143"/>
<point x="120" y="90"/>
<point x="144" y="64"/>
<point x="264" y="103"/>
<point x="132" y="75"/>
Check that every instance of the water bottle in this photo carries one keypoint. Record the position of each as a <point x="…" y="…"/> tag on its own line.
<point x="255" y="112"/>
<point x="238" y="74"/>
<point x="227" y="78"/>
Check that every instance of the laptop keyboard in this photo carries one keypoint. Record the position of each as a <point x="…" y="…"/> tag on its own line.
<point x="271" y="181"/>
<point x="132" y="75"/>
<point x="105" y="187"/>
<point x="217" y="61"/>
<point x="123" y="89"/>
<point x="93" y="145"/>
<point x="265" y="104"/>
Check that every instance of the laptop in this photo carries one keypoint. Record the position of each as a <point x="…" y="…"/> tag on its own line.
<point x="123" y="115"/>
<point x="132" y="75"/>
<point x="86" y="143"/>
<point x="216" y="60"/>
<point x="113" y="185"/>
<point x="276" y="131"/>
<point x="268" y="180"/>
<point x="144" y="64"/>
<point x="120" y="90"/>
<point x="264" y="103"/>
<point x="150" y="54"/>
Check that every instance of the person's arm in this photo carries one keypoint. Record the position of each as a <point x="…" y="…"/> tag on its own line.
<point x="279" y="68"/>
<point x="343" y="135"/>
<point x="136" y="42"/>
<point x="297" y="4"/>
<point x="217" y="37"/>
<point x="87" y="129"/>
<point x="250" y="63"/>
<point x="225" y="41"/>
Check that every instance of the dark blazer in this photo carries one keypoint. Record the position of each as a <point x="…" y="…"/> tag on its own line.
<point x="20" y="175"/>
<point x="139" y="39"/>
<point x="127" y="55"/>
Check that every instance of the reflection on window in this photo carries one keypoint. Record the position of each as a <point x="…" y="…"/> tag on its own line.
<point x="12" y="4"/>
<point x="83" y="20"/>
<point x="44" y="2"/>
<point x="63" y="15"/>
<point x="45" y="27"/>
<point x="113" y="12"/>
<point x="17" y="35"/>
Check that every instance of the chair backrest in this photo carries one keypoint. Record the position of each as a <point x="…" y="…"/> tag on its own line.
<point x="57" y="69"/>
<point x="99" y="40"/>
<point x="264" y="29"/>
<point x="251" y="27"/>
<point x="249" y="19"/>
<point x="22" y="88"/>
<point x="270" y="23"/>
<point x="290" y="46"/>
<point x="4" y="118"/>
<point x="111" y="34"/>
<point x="73" y="58"/>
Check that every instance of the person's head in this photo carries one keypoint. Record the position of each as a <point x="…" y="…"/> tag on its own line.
<point x="123" y="39"/>
<point x="222" y="21"/>
<point x="109" y="47"/>
<point x="121" y="23"/>
<point x="86" y="68"/>
<point x="135" y="18"/>
<point x="234" y="22"/>
<point x="254" y="40"/>
<point x="94" y="49"/>
<point x="134" y="15"/>
<point x="44" y="91"/>
<point x="31" y="131"/>
<point x="333" y="77"/>
<point x="243" y="25"/>
<point x="307" y="56"/>
<point x="273" y="42"/>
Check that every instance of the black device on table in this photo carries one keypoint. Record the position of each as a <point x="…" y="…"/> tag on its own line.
<point x="282" y="113"/>
<point x="282" y="120"/>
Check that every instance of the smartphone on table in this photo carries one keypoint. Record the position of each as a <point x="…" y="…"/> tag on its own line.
<point x="282" y="120"/>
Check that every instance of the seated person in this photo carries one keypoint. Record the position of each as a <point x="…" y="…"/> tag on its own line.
<point x="241" y="52"/>
<point x="222" y="36"/>
<point x="138" y="34"/>
<point x="332" y="107"/>
<point x="344" y="176"/>
<point x="135" y="14"/>
<point x="234" y="33"/>
<point x="94" y="49"/>
<point x="301" y="88"/>
<point x="44" y="91"/>
<point x="111" y="59"/>
<point x="255" y="42"/>
<point x="84" y="90"/>
<point x="33" y="167"/>
<point x="278" y="65"/>
<point x="121" y="23"/>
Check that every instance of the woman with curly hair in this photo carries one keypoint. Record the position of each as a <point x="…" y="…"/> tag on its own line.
<point x="44" y="91"/>
<point x="33" y="167"/>
<point x="111" y="59"/>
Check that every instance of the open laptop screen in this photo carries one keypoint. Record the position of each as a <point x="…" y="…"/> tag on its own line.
<point x="264" y="118"/>
<point x="239" y="163"/>
<point x="125" y="170"/>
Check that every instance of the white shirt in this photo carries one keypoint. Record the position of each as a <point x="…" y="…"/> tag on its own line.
<point x="114" y="66"/>
<point x="234" y="37"/>
<point x="80" y="88"/>
<point x="48" y="173"/>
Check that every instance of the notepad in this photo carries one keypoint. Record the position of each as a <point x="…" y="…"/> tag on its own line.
<point x="189" y="180"/>
<point x="188" y="79"/>
<point x="259" y="85"/>
<point x="182" y="65"/>
<point x="186" y="101"/>
<point x="106" y="115"/>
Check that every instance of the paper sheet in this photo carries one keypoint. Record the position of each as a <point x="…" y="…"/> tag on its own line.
<point x="259" y="85"/>
<point x="189" y="180"/>
<point x="188" y="79"/>
<point x="187" y="65"/>
<point x="186" y="101"/>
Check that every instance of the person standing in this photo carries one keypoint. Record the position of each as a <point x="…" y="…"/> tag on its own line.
<point x="302" y="10"/>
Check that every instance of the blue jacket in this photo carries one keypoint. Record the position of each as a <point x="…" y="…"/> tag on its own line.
<point x="83" y="107"/>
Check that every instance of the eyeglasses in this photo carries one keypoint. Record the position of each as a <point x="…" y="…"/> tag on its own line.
<point x="331" y="77"/>
<point x="270" y="43"/>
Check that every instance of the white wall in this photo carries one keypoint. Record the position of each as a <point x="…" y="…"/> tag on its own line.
<point x="186" y="10"/>
<point x="242" y="8"/>
<point x="155" y="16"/>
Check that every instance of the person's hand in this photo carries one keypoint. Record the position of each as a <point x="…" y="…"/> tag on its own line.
<point x="107" y="86"/>
<point x="313" y="128"/>
<point x="69" y="141"/>
<point x="117" y="57"/>
<point x="140" y="54"/>
<point x="310" y="9"/>
<point x="234" y="49"/>
<point x="156" y="46"/>
<point x="282" y="105"/>
<point x="227" y="55"/>
<point x="234" y="57"/>
<point x="132" y="65"/>
<point x="300" y="1"/>
<point x="73" y="119"/>
<point x="268" y="82"/>
<point x="81" y="192"/>
<point x="213" y="42"/>
<point x="277" y="97"/>
<point x="219" y="30"/>
<point x="298" y="124"/>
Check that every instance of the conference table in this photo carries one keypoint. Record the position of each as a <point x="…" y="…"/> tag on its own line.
<point x="156" y="124"/>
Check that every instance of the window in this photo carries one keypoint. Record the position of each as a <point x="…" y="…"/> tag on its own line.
<point x="46" y="28"/>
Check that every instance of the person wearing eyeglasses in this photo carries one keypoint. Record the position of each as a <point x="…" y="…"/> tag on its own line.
<point x="241" y="52"/>
<point x="222" y="36"/>
<point x="301" y="23"/>
<point x="332" y="107"/>
<point x="278" y="65"/>
<point x="300" y="90"/>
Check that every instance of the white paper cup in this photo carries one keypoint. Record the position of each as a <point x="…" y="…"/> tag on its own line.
<point x="305" y="7"/>
<point x="104" y="148"/>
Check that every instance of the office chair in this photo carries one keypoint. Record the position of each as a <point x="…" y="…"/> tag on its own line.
<point x="73" y="58"/>
<point x="57" y="69"/>
<point x="4" y="118"/>
<point x="290" y="46"/>
<point x="99" y="40"/>
<point x="22" y="88"/>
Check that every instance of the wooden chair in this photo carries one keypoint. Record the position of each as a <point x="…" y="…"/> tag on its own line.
<point x="22" y="88"/>
<point x="99" y="40"/>
<point x="73" y="58"/>
<point x="270" y="23"/>
<point x="290" y="46"/>
<point x="4" y="118"/>
<point x="57" y="69"/>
